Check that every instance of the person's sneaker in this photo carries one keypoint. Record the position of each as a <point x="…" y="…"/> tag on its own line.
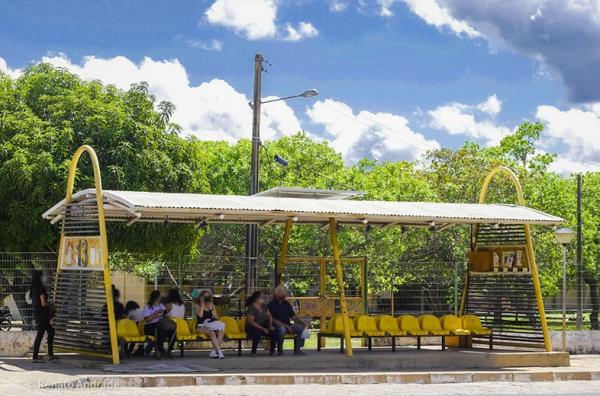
<point x="213" y="354"/>
<point x="38" y="360"/>
<point x="53" y="358"/>
<point x="221" y="356"/>
<point x="299" y="352"/>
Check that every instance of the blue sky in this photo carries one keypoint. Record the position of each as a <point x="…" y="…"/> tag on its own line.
<point x="396" y="77"/>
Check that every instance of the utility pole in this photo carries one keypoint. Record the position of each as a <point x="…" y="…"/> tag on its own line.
<point x="579" y="262"/>
<point x="252" y="233"/>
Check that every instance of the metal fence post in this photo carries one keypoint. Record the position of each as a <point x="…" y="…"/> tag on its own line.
<point x="179" y="271"/>
<point x="455" y="288"/>
<point x="156" y="275"/>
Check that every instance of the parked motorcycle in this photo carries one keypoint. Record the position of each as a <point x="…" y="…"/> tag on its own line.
<point x="6" y="319"/>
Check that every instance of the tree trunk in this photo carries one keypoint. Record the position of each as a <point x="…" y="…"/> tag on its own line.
<point x="593" y="285"/>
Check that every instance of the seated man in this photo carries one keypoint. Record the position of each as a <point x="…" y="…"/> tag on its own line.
<point x="283" y="313"/>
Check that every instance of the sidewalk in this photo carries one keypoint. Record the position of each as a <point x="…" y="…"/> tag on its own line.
<point x="75" y="371"/>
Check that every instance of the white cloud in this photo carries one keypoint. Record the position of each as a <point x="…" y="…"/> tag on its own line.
<point x="565" y="166"/>
<point x="14" y="73"/>
<point x="304" y="30"/>
<point x="471" y="120"/>
<point x="385" y="8"/>
<point x="213" y="110"/>
<point x="577" y="130"/>
<point x="212" y="45"/>
<point x="491" y="105"/>
<point x="434" y="14"/>
<point x="563" y="34"/>
<point x="256" y="20"/>
<point x="381" y="136"/>
<point x="338" y="5"/>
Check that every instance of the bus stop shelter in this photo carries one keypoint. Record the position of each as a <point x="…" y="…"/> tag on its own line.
<point x="83" y="260"/>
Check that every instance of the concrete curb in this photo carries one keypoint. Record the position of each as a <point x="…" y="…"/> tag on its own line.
<point x="326" y="379"/>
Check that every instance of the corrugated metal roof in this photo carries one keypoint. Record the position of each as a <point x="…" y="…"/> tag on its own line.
<point x="195" y="208"/>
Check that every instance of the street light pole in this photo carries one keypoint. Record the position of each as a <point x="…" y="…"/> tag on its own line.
<point x="564" y="299"/>
<point x="579" y="262"/>
<point x="252" y="233"/>
<point x="564" y="236"/>
<point x="255" y="104"/>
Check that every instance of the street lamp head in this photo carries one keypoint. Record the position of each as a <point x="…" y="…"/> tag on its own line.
<point x="251" y="104"/>
<point x="564" y="236"/>
<point x="309" y="93"/>
<point x="281" y="161"/>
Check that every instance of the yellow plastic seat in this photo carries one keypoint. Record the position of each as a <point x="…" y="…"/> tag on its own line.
<point x="242" y="324"/>
<point x="389" y="326"/>
<point x="411" y="325"/>
<point x="232" y="330"/>
<point x="337" y="326"/>
<point x="183" y="332"/>
<point x="128" y="331"/>
<point x="454" y="325"/>
<point x="431" y="324"/>
<point x="473" y="324"/>
<point x="366" y="325"/>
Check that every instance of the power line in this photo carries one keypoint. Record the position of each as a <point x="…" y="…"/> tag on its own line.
<point x="417" y="144"/>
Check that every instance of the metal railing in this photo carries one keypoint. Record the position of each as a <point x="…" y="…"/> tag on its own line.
<point x="406" y="287"/>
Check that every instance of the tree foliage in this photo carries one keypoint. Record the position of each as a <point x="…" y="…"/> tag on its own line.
<point x="47" y="113"/>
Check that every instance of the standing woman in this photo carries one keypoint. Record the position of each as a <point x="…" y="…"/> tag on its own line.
<point x="209" y="324"/>
<point x="42" y="315"/>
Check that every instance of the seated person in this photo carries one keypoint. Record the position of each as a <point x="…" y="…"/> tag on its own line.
<point x="259" y="323"/>
<point x="119" y="309"/>
<point x="208" y="322"/>
<point x="133" y="311"/>
<point x="283" y="313"/>
<point x="175" y="306"/>
<point x="157" y="325"/>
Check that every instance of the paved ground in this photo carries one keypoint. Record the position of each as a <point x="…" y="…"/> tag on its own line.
<point x="484" y="388"/>
<point x="24" y="379"/>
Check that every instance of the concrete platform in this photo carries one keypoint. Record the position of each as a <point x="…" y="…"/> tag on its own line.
<point x="327" y="367"/>
<point x="330" y="360"/>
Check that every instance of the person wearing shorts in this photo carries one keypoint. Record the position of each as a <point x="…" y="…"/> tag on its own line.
<point x="209" y="324"/>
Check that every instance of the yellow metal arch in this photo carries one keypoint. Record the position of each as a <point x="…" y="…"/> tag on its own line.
<point x="528" y="241"/>
<point x="103" y="240"/>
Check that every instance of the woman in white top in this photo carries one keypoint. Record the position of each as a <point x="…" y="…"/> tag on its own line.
<point x="175" y="306"/>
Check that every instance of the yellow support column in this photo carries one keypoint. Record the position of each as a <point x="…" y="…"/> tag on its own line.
<point x="528" y="241"/>
<point x="283" y="251"/>
<point x="103" y="240"/>
<point x="340" y="280"/>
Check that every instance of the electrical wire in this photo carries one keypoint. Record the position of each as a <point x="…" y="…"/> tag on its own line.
<point x="416" y="144"/>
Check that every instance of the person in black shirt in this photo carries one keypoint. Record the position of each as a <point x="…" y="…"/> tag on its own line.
<point x="41" y="315"/>
<point x="283" y="313"/>
<point x="119" y="308"/>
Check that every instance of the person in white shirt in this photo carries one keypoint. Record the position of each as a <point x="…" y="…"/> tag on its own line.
<point x="175" y="306"/>
<point x="133" y="311"/>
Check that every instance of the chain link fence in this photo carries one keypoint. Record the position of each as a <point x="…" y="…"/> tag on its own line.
<point x="405" y="287"/>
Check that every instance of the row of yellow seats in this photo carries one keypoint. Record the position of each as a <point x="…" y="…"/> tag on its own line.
<point x="424" y="325"/>
<point x="405" y="325"/>
<point x="128" y="331"/>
